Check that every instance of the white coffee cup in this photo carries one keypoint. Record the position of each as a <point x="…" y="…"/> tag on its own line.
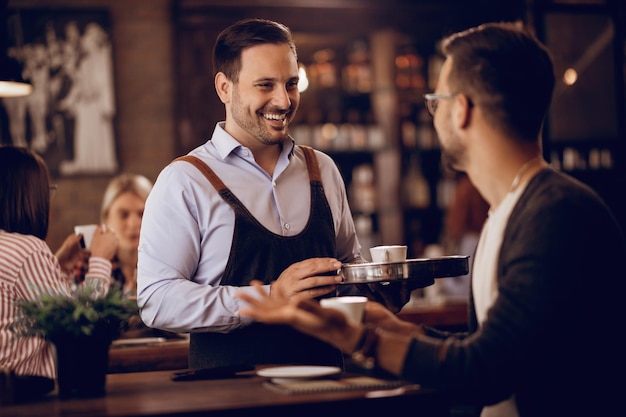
<point x="352" y="306"/>
<point x="391" y="253"/>
<point x="87" y="230"/>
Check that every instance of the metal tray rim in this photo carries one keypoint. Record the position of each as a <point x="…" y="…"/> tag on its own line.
<point x="408" y="261"/>
<point x="425" y="269"/>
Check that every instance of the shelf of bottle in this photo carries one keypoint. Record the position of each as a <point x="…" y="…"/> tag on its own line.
<point x="344" y="137"/>
<point x="577" y="159"/>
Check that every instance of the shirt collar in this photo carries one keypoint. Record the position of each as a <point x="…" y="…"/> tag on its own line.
<point x="225" y="144"/>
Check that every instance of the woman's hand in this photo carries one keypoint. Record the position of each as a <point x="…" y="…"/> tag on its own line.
<point x="303" y="314"/>
<point x="71" y="255"/>
<point x="104" y="243"/>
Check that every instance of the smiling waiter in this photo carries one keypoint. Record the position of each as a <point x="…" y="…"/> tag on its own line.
<point x="247" y="205"/>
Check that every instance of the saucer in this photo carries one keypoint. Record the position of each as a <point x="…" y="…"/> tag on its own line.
<point x="289" y="373"/>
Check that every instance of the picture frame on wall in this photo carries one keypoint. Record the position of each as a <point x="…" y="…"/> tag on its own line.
<point x="69" y="118"/>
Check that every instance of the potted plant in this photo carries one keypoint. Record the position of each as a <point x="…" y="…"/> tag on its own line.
<point x="82" y="327"/>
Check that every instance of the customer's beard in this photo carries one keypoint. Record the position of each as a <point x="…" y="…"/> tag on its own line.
<point x="450" y="162"/>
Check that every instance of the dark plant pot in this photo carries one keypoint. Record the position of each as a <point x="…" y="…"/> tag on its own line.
<point x="82" y="364"/>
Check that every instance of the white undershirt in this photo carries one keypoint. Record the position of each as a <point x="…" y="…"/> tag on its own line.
<point x="485" y="282"/>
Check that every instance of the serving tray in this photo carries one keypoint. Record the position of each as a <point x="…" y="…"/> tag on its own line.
<point x="422" y="269"/>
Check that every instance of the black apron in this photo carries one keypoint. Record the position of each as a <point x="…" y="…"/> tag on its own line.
<point x="257" y="253"/>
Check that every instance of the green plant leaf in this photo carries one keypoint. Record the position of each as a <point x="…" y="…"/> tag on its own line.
<point x="54" y="315"/>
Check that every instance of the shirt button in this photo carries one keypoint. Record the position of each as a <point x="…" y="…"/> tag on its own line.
<point x="287" y="226"/>
<point x="274" y="184"/>
<point x="246" y="153"/>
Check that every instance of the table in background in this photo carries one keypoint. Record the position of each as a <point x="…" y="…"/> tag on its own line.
<point x="144" y="394"/>
<point x="450" y="316"/>
<point x="160" y="356"/>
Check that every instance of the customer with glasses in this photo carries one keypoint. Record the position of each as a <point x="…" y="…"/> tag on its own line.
<point x="546" y="302"/>
<point x="432" y="101"/>
<point x="28" y="268"/>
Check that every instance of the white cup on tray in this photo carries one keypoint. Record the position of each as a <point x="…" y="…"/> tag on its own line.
<point x="388" y="253"/>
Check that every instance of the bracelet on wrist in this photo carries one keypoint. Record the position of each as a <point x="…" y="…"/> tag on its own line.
<point x="365" y="354"/>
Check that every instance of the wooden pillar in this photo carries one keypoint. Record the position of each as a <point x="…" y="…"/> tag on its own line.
<point x="387" y="161"/>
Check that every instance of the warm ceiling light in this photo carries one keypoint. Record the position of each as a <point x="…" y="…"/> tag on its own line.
<point x="303" y="83"/>
<point x="11" y="82"/>
<point x="14" y="89"/>
<point x="570" y="76"/>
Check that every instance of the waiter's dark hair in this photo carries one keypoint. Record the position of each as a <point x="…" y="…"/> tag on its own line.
<point x="233" y="40"/>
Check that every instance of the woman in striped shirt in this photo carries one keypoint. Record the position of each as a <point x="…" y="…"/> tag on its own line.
<point x="28" y="267"/>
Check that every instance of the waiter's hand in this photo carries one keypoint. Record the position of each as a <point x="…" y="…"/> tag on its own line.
<point x="307" y="279"/>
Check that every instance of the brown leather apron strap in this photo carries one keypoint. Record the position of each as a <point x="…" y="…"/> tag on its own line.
<point x="309" y="154"/>
<point x="311" y="163"/>
<point x="204" y="168"/>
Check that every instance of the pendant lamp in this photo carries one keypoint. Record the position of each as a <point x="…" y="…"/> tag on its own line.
<point x="12" y="84"/>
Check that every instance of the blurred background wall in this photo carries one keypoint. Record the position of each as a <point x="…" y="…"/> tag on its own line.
<point x="368" y="63"/>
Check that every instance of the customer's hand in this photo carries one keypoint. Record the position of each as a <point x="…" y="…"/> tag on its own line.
<point x="71" y="255"/>
<point x="379" y="316"/>
<point x="303" y="314"/>
<point x="394" y="294"/>
<point x="307" y="279"/>
<point x="104" y="243"/>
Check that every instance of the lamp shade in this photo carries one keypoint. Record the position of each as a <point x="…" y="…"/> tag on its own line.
<point x="12" y="84"/>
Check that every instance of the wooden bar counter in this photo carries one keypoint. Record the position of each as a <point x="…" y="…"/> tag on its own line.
<point x="159" y="356"/>
<point x="155" y="394"/>
<point x="139" y="384"/>
<point x="173" y="354"/>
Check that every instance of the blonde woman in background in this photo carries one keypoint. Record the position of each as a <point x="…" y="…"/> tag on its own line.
<point x="122" y="210"/>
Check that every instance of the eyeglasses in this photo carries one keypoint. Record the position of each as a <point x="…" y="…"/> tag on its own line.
<point x="432" y="101"/>
<point x="53" y="190"/>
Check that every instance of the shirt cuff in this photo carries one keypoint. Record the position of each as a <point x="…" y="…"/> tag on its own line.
<point x="99" y="267"/>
